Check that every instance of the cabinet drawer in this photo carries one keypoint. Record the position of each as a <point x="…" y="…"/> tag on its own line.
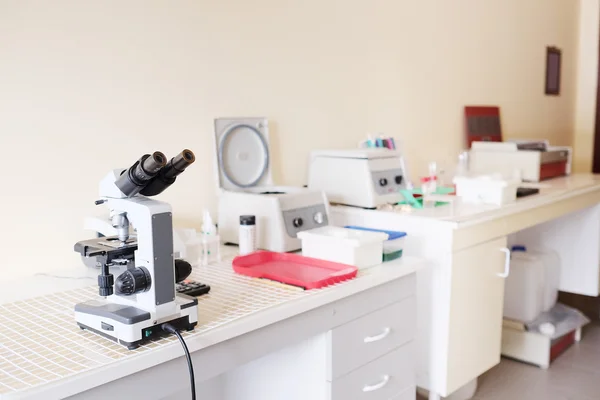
<point x="381" y="379"/>
<point x="408" y="394"/>
<point x="371" y="336"/>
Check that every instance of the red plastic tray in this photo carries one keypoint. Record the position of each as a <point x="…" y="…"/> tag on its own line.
<point x="293" y="269"/>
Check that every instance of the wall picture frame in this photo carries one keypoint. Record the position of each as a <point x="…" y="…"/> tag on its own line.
<point x="553" y="70"/>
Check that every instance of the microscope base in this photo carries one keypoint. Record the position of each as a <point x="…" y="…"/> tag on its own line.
<point x="131" y="326"/>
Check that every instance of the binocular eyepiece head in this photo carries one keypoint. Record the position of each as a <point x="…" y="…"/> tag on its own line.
<point x="152" y="174"/>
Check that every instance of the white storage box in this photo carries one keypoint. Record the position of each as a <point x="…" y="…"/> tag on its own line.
<point x="487" y="189"/>
<point x="532" y="285"/>
<point x="347" y="246"/>
<point x="393" y="247"/>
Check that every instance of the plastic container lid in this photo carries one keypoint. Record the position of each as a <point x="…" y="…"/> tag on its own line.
<point x="350" y="237"/>
<point x="392" y="235"/>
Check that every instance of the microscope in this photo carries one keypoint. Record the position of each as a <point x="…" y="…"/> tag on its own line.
<point x="135" y="305"/>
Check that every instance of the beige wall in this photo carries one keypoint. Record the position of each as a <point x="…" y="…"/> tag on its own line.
<point x="586" y="85"/>
<point x="88" y="86"/>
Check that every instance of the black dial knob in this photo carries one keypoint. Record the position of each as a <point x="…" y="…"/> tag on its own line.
<point x="133" y="281"/>
<point x="398" y="179"/>
<point x="383" y="181"/>
<point x="183" y="269"/>
<point x="298" y="222"/>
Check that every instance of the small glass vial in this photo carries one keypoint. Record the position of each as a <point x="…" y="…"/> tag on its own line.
<point x="247" y="234"/>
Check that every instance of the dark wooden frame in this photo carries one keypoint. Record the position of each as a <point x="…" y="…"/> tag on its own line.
<point x="596" y="155"/>
<point x="553" y="88"/>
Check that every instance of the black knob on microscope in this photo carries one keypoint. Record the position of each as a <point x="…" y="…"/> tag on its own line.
<point x="183" y="269"/>
<point x="105" y="285"/>
<point x="133" y="281"/>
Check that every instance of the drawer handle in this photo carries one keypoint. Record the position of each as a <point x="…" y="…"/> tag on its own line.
<point x="377" y="386"/>
<point x="382" y="335"/>
<point x="506" y="263"/>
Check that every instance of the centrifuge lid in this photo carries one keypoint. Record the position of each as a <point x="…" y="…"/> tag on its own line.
<point x="243" y="158"/>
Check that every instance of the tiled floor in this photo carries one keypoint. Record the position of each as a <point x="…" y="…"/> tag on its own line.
<point x="575" y="375"/>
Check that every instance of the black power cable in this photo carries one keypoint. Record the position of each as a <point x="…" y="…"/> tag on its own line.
<point x="171" y="329"/>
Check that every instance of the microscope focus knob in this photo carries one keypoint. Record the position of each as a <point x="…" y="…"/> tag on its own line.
<point x="133" y="281"/>
<point x="105" y="285"/>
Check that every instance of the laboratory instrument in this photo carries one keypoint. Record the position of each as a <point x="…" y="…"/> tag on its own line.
<point x="534" y="161"/>
<point x="246" y="188"/>
<point x="135" y="305"/>
<point x="247" y="234"/>
<point x="347" y="246"/>
<point x="363" y="178"/>
<point x="102" y="226"/>
<point x="293" y="269"/>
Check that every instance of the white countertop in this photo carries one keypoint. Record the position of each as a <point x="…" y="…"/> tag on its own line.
<point x="46" y="354"/>
<point x="462" y="214"/>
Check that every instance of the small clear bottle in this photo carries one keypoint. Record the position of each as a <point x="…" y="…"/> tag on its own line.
<point x="462" y="167"/>
<point x="211" y="250"/>
<point x="247" y="234"/>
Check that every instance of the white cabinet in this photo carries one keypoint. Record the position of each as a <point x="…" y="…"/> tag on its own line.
<point x="475" y="312"/>
<point x="368" y="356"/>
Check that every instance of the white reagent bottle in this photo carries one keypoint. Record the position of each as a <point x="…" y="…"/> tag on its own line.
<point x="247" y="234"/>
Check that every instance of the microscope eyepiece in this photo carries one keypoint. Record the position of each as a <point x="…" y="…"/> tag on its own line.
<point x="166" y="176"/>
<point x="136" y="177"/>
<point x="149" y="166"/>
<point x="178" y="164"/>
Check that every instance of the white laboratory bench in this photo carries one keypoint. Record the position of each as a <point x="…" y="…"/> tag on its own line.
<point x="255" y="340"/>
<point x="460" y="296"/>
